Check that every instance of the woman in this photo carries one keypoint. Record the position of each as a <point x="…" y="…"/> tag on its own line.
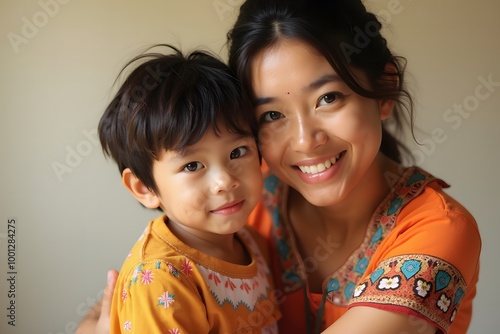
<point x="361" y="243"/>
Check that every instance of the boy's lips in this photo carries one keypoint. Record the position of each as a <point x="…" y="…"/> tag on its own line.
<point x="229" y="208"/>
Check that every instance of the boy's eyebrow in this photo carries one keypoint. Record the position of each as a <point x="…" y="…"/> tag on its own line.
<point x="324" y="79"/>
<point x="188" y="150"/>
<point x="263" y="100"/>
<point x="179" y="154"/>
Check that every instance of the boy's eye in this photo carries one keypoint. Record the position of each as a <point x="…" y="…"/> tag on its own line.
<point x="192" y="166"/>
<point x="238" y="152"/>
<point x="270" y="116"/>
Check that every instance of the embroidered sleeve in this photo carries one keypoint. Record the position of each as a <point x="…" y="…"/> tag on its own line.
<point x="156" y="298"/>
<point x="424" y="286"/>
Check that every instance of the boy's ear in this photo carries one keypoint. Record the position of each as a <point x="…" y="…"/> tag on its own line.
<point x="390" y="78"/>
<point x="139" y="190"/>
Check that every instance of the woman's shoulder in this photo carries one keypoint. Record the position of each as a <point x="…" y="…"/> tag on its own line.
<point x="434" y="223"/>
<point x="428" y="198"/>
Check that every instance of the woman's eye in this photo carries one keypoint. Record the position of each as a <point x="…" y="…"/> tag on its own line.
<point x="239" y="152"/>
<point x="192" y="166"/>
<point x="270" y="116"/>
<point x="328" y="98"/>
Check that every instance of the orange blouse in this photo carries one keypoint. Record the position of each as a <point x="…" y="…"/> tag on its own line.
<point x="419" y="257"/>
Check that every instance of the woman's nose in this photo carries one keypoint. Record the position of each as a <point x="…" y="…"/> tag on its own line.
<point x="307" y="134"/>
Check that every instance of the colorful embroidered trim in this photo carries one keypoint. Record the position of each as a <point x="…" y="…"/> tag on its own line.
<point x="425" y="284"/>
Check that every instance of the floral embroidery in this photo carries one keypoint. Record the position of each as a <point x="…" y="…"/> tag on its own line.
<point x="359" y="290"/>
<point x="186" y="267"/>
<point x="151" y="274"/>
<point x="124" y="294"/>
<point x="127" y="326"/>
<point x="239" y="291"/>
<point x="147" y="277"/>
<point x="135" y="275"/>
<point x="391" y="283"/>
<point x="422" y="287"/>
<point x="166" y="299"/>
<point x="172" y="270"/>
<point x="444" y="303"/>
<point x="411" y="281"/>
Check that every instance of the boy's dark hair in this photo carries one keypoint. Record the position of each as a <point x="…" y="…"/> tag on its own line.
<point x="169" y="102"/>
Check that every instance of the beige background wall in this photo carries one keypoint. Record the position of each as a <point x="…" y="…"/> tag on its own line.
<point x="73" y="218"/>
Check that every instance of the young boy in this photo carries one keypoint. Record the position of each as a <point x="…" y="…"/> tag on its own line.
<point x="184" y="142"/>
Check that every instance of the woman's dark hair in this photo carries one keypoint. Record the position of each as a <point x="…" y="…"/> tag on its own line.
<point x="343" y="32"/>
<point x="169" y="102"/>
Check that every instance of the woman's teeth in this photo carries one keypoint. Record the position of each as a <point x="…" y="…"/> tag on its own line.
<point x="314" y="169"/>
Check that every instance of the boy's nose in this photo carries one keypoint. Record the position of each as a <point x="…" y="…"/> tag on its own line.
<point x="223" y="181"/>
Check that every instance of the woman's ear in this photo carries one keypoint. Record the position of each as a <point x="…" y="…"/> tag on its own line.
<point x="389" y="78"/>
<point x="386" y="108"/>
<point x="138" y="189"/>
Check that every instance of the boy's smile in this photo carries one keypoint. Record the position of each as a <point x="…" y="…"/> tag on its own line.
<point x="212" y="187"/>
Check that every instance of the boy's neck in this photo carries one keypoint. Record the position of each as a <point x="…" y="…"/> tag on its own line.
<point x="225" y="247"/>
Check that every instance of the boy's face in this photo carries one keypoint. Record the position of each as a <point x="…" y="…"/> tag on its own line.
<point x="213" y="186"/>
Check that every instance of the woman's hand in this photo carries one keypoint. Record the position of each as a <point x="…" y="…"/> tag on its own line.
<point x="96" y="321"/>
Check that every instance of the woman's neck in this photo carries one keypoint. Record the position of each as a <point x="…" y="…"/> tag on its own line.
<point x="347" y="219"/>
<point x="341" y="228"/>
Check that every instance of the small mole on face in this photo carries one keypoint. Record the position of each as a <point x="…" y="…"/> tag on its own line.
<point x="288" y="93"/>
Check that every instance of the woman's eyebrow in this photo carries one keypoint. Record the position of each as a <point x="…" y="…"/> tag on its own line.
<point x="322" y="80"/>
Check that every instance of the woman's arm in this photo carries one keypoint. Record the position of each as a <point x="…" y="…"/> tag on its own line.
<point x="96" y="321"/>
<point x="364" y="319"/>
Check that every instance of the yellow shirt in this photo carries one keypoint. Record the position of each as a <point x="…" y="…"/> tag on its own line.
<point x="165" y="286"/>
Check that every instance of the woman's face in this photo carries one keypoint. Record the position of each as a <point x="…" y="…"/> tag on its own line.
<point x="316" y="134"/>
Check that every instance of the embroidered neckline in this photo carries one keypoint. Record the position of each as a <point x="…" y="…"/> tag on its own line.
<point x="340" y="284"/>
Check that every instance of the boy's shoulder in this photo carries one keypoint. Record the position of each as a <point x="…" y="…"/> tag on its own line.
<point x="149" y="248"/>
